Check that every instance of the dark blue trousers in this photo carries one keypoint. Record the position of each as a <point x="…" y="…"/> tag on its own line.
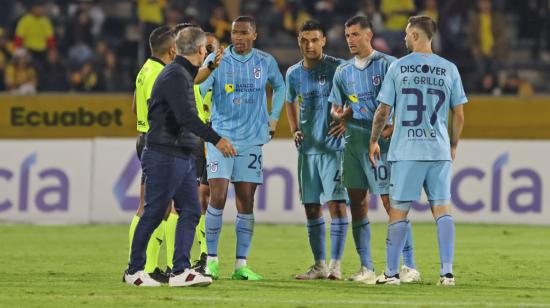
<point x="167" y="178"/>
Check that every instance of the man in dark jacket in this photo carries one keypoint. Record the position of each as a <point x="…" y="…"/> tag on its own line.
<point x="168" y="162"/>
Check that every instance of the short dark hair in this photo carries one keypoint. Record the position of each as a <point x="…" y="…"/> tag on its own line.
<point x="424" y="23"/>
<point x="209" y="47"/>
<point x="183" y="25"/>
<point x="160" y="39"/>
<point x="312" y="25"/>
<point x="360" y="20"/>
<point x="248" y="19"/>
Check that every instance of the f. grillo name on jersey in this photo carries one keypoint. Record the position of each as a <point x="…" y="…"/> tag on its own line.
<point x="424" y="69"/>
<point x="20" y="116"/>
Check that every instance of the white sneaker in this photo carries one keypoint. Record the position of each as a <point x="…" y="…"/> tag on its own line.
<point x="407" y="274"/>
<point x="446" y="280"/>
<point x="140" y="279"/>
<point x="317" y="271"/>
<point x="364" y="275"/>
<point x="334" y="272"/>
<point x="393" y="280"/>
<point x="189" y="277"/>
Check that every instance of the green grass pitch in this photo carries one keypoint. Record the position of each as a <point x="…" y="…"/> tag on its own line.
<point x="68" y="266"/>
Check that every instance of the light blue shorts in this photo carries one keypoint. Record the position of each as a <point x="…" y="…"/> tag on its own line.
<point x="319" y="177"/>
<point x="358" y="172"/>
<point x="409" y="177"/>
<point x="245" y="167"/>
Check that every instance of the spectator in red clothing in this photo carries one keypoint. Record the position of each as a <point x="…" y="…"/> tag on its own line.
<point x="34" y="32"/>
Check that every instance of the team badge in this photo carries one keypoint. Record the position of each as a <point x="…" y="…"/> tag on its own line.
<point x="229" y="88"/>
<point x="363" y="110"/>
<point x="376" y="80"/>
<point x="257" y="72"/>
<point x="214" y="167"/>
<point x="322" y="79"/>
<point x="353" y="98"/>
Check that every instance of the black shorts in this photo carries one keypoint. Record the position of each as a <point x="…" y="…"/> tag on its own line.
<point x="200" y="160"/>
<point x="140" y="145"/>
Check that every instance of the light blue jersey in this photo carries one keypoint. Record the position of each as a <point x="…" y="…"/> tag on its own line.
<point x="357" y="88"/>
<point x="239" y="103"/>
<point x="311" y="89"/>
<point x="421" y="88"/>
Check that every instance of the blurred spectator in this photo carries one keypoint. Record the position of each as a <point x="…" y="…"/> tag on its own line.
<point x="93" y="12"/>
<point x="34" y="31"/>
<point x="294" y="16"/>
<point x="5" y="55"/>
<point x="487" y="38"/>
<point x="430" y="9"/>
<point x="396" y="13"/>
<point x="85" y="78"/>
<point x="488" y="85"/>
<point x="219" y="24"/>
<point x="150" y="16"/>
<point x="79" y="53"/>
<point x="54" y="77"/>
<point x="368" y="8"/>
<point x="112" y="78"/>
<point x="514" y="85"/>
<point x="20" y="76"/>
<point x="174" y="14"/>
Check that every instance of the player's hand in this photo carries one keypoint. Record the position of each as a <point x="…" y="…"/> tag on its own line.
<point x="298" y="138"/>
<point x="374" y="153"/>
<point x="226" y="148"/>
<point x="337" y="128"/>
<point x="272" y="128"/>
<point x="453" y="152"/>
<point x="387" y="132"/>
<point x="218" y="59"/>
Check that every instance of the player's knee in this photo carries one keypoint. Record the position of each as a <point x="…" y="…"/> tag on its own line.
<point x="313" y="211"/>
<point x="217" y="201"/>
<point x="440" y="210"/>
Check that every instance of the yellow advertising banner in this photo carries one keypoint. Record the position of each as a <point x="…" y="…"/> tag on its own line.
<point x="83" y="116"/>
<point x="66" y="116"/>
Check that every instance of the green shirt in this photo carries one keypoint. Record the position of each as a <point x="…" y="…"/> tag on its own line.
<point x="144" y="85"/>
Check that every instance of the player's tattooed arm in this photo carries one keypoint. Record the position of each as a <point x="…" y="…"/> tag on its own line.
<point x="379" y="122"/>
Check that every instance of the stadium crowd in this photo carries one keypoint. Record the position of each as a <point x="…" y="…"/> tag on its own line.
<point x="500" y="46"/>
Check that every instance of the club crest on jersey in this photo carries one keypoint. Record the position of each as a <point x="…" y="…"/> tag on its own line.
<point x="322" y="79"/>
<point x="257" y="72"/>
<point x="376" y="79"/>
<point x="214" y="167"/>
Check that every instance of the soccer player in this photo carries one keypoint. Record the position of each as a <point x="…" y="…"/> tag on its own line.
<point x="308" y="85"/>
<point x="239" y="113"/>
<point x="421" y="87"/>
<point x="162" y="44"/>
<point x="204" y="104"/>
<point x="356" y="84"/>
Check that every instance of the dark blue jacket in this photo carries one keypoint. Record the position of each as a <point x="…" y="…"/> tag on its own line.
<point x="173" y="120"/>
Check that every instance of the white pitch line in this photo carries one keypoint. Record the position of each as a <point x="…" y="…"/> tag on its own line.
<point x="366" y="301"/>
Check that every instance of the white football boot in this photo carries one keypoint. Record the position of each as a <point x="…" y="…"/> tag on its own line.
<point x="364" y="275"/>
<point x="334" y="272"/>
<point x="393" y="280"/>
<point x="408" y="274"/>
<point x="317" y="271"/>
<point x="446" y="280"/>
